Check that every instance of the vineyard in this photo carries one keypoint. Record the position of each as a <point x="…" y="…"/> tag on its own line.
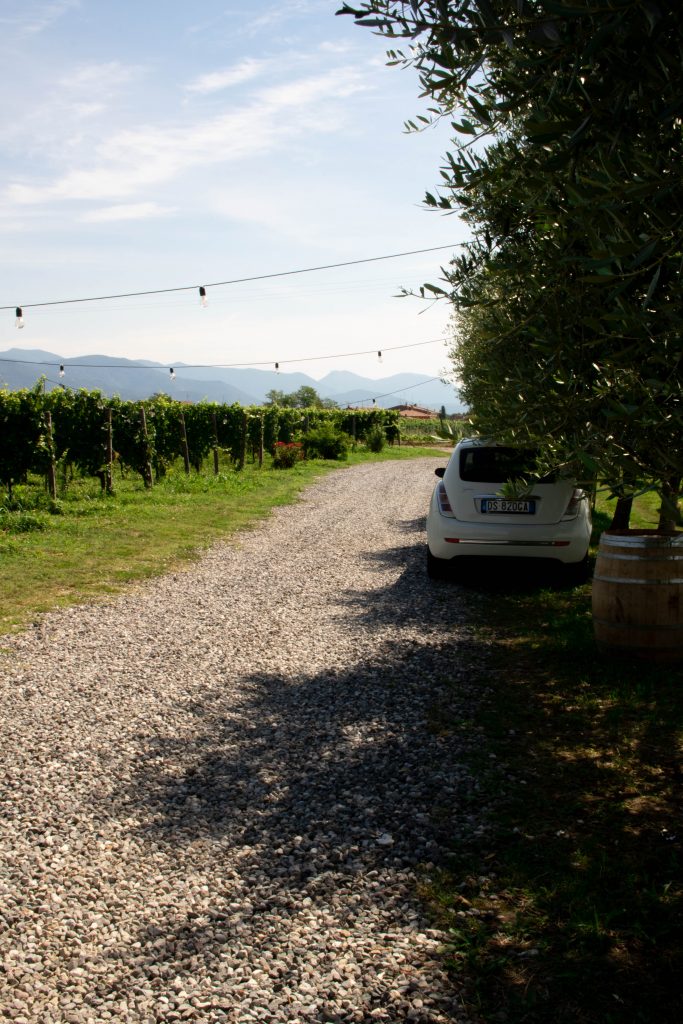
<point x="91" y="434"/>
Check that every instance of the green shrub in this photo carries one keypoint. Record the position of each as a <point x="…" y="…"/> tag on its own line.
<point x="375" y="439"/>
<point x="393" y="433"/>
<point x="20" y="522"/>
<point x="324" y="442"/>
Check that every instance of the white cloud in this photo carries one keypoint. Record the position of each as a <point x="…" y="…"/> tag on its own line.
<point x="36" y="17"/>
<point x="48" y="127"/>
<point x="135" y="159"/>
<point x="335" y="47"/>
<point x="84" y="110"/>
<point x="280" y="12"/>
<point x="215" y="81"/>
<point x="103" y="78"/>
<point x="126" y="211"/>
<point x="309" y="91"/>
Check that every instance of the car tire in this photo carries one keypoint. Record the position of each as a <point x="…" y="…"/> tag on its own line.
<point x="576" y="573"/>
<point x="438" y="568"/>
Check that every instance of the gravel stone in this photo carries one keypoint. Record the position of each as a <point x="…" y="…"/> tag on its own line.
<point x="218" y="788"/>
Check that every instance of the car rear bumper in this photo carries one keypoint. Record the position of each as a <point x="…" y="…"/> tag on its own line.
<point x="451" y="538"/>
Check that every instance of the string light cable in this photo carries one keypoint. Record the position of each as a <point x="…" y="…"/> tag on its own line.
<point x="399" y="391"/>
<point x="202" y="289"/>
<point x="217" y="366"/>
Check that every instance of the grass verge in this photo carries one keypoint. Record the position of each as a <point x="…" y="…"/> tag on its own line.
<point x="568" y="906"/>
<point x="87" y="545"/>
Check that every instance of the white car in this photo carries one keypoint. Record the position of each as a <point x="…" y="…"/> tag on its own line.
<point x="469" y="514"/>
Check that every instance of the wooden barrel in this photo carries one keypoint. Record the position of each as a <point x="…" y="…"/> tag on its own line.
<point x="638" y="594"/>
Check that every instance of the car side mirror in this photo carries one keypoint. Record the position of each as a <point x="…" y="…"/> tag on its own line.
<point x="440" y="470"/>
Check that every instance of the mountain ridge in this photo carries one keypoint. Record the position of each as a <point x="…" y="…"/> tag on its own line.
<point x="22" y="368"/>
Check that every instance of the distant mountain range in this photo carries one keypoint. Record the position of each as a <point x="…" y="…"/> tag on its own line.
<point x="135" y="379"/>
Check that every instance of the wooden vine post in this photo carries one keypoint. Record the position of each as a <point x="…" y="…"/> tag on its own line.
<point x="51" y="473"/>
<point x="183" y="442"/>
<point x="243" y="441"/>
<point x="261" y="443"/>
<point x="214" y="422"/>
<point x="109" y="473"/>
<point x="147" y="466"/>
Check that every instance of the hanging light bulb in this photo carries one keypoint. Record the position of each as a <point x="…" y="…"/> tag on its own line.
<point x="61" y="370"/>
<point x="202" y="297"/>
<point x="379" y="356"/>
<point x="277" y="367"/>
<point x="172" y="373"/>
<point x="374" y="401"/>
<point x="20" y="317"/>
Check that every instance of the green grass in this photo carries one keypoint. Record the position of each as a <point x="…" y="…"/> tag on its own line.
<point x="645" y="513"/>
<point x="570" y="907"/>
<point x="86" y="545"/>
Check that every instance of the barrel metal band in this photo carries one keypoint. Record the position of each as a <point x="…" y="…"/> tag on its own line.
<point x="645" y="557"/>
<point x="640" y="540"/>
<point x="624" y="579"/>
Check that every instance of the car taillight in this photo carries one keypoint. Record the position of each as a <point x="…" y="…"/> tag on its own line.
<point x="443" y="502"/>
<point x="574" y="504"/>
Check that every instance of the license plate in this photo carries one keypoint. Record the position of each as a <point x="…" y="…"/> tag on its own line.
<point x="509" y="506"/>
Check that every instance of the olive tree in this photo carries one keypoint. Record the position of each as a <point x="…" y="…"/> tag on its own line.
<point x="566" y="163"/>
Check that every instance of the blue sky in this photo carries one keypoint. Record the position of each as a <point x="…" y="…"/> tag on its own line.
<point x="153" y="145"/>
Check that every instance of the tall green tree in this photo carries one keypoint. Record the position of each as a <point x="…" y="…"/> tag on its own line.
<point x="567" y="165"/>
<point x="279" y="398"/>
<point x="305" y="397"/>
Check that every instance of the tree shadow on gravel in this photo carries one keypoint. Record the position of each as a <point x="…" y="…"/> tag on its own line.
<point x="413" y="525"/>
<point x="568" y="906"/>
<point x="311" y="806"/>
<point x="321" y="800"/>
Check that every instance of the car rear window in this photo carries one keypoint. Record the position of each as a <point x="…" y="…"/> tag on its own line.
<point x="496" y="465"/>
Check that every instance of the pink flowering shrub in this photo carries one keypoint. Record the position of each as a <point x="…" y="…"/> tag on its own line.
<point x="286" y="455"/>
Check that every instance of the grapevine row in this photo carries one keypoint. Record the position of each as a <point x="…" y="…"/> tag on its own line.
<point x="90" y="432"/>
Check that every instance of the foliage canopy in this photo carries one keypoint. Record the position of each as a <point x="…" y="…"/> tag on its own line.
<point x="567" y="166"/>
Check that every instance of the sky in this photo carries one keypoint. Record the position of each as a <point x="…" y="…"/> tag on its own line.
<point x="159" y="145"/>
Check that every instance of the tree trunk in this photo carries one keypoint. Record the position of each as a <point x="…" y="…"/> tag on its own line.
<point x="622" y="514"/>
<point x="669" y="513"/>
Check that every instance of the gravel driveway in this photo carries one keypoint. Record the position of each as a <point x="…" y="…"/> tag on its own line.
<point x="217" y="790"/>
